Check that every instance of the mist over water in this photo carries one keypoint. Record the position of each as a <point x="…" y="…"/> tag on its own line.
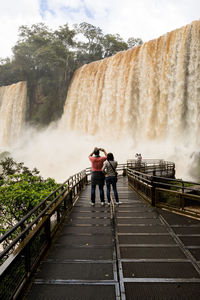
<point x="145" y="100"/>
<point x="60" y="154"/>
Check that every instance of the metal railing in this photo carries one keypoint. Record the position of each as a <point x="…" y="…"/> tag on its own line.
<point x="156" y="167"/>
<point x="172" y="194"/>
<point x="121" y="169"/>
<point x="33" y="235"/>
<point x="25" y="243"/>
<point x="29" y="239"/>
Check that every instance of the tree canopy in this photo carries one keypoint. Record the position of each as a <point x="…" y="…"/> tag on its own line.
<point x="47" y="59"/>
<point x="21" y="189"/>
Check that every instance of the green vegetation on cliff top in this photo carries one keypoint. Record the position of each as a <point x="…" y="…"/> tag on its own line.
<point x="47" y="59"/>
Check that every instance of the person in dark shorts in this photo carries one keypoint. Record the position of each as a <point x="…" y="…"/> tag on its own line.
<point x="97" y="177"/>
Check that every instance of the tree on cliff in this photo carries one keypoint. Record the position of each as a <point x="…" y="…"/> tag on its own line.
<point x="47" y="59"/>
<point x="134" y="42"/>
<point x="96" y="45"/>
<point x="47" y="64"/>
<point x="113" y="44"/>
<point x="89" y="48"/>
<point x="8" y="72"/>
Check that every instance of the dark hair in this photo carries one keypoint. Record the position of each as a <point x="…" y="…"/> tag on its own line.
<point x="110" y="156"/>
<point x="96" y="152"/>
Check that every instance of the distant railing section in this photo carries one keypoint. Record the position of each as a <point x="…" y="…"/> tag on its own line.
<point x="28" y="240"/>
<point x="156" y="167"/>
<point x="172" y="194"/>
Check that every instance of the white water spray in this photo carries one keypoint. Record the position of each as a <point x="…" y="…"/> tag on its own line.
<point x="146" y="100"/>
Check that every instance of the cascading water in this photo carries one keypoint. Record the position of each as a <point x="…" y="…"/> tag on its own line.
<point x="146" y="100"/>
<point x="151" y="92"/>
<point x="13" y="100"/>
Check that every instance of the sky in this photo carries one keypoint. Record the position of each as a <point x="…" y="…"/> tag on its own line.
<point x="145" y="19"/>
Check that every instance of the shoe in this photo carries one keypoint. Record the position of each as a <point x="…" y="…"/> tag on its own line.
<point x="92" y="203"/>
<point x="102" y="203"/>
<point x="119" y="202"/>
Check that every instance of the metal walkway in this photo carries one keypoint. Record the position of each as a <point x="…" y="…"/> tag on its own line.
<point x="146" y="254"/>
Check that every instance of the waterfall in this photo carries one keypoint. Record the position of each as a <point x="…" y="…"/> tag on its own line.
<point x="143" y="100"/>
<point x="151" y="92"/>
<point x="12" y="112"/>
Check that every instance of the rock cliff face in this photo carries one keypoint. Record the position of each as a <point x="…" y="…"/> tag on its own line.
<point x="151" y="92"/>
<point x="13" y="101"/>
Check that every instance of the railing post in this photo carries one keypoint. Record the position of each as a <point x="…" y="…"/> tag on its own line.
<point x="173" y="171"/>
<point x="182" y="202"/>
<point x="27" y="259"/>
<point x="124" y="173"/>
<point x="48" y="230"/>
<point x="58" y="215"/>
<point x="182" y="187"/>
<point x="153" y="202"/>
<point x="86" y="179"/>
<point x="71" y="197"/>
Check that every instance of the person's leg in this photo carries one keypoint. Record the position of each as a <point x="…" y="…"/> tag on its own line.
<point x="101" y="192"/>
<point x="108" y="189"/>
<point x="93" y="188"/>
<point x="115" y="190"/>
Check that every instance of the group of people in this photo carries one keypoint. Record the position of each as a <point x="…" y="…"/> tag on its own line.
<point x="103" y="169"/>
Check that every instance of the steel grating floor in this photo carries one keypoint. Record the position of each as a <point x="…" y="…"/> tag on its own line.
<point x="162" y="291"/>
<point x="71" y="292"/>
<point x="148" y="254"/>
<point x="166" y="269"/>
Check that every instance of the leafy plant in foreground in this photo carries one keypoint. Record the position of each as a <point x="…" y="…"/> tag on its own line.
<point x="21" y="189"/>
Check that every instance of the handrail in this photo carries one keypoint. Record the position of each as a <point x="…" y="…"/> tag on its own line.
<point x="45" y="205"/>
<point x="120" y="167"/>
<point x="69" y="183"/>
<point x="35" y="234"/>
<point x="150" y="161"/>
<point x="63" y="187"/>
<point x="165" y="192"/>
<point x="11" y="230"/>
<point x="158" y="180"/>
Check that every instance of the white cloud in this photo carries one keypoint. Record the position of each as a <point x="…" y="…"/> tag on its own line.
<point x="130" y="18"/>
<point x="13" y="14"/>
<point x="148" y="19"/>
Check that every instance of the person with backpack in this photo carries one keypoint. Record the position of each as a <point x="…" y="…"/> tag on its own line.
<point x="109" y="169"/>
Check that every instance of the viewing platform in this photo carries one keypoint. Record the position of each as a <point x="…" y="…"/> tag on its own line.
<point x="134" y="250"/>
